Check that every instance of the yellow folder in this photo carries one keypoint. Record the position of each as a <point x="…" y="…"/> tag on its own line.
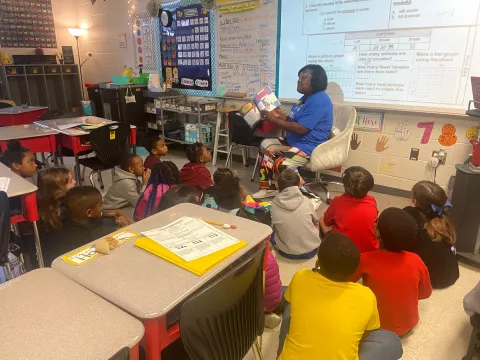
<point x="198" y="266"/>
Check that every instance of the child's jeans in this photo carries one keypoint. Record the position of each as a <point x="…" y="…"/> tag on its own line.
<point x="379" y="344"/>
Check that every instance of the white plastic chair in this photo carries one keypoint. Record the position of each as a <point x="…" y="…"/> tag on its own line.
<point x="334" y="152"/>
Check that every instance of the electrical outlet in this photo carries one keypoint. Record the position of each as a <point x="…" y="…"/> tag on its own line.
<point x="441" y="155"/>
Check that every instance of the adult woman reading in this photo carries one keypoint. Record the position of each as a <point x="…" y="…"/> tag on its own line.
<point x="308" y="124"/>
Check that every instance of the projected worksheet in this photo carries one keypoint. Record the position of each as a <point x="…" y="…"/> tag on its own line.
<point x="412" y="52"/>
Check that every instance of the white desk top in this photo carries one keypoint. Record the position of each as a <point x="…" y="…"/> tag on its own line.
<point x="148" y="286"/>
<point x="20" y="110"/>
<point x="24" y="132"/>
<point x="54" y="124"/>
<point x="18" y="186"/>
<point x="45" y="315"/>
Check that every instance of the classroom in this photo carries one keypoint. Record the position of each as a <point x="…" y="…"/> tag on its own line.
<point x="240" y="179"/>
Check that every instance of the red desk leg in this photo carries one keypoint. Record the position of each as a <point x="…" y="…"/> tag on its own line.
<point x="133" y="139"/>
<point x="152" y="338"/>
<point x="158" y="337"/>
<point x="135" y="352"/>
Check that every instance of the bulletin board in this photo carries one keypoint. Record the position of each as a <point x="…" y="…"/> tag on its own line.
<point x="246" y="46"/>
<point x="211" y="20"/>
<point x="27" y="24"/>
<point x="186" y="49"/>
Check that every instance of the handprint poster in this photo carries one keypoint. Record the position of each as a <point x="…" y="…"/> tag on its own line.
<point x="370" y="122"/>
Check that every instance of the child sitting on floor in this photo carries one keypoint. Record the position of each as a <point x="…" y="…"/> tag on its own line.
<point x="330" y="317"/>
<point x="22" y="162"/>
<point x="195" y="173"/>
<point x="435" y="240"/>
<point x="295" y="224"/>
<point x="227" y="194"/>
<point x="273" y="283"/>
<point x="53" y="183"/>
<point x="164" y="176"/>
<point x="355" y="212"/>
<point x="157" y="148"/>
<point x="19" y="159"/>
<point x="180" y="194"/>
<point x="126" y="189"/>
<point x="397" y="277"/>
<point x="84" y="223"/>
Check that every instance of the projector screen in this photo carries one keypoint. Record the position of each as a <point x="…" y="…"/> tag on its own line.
<point x="403" y="52"/>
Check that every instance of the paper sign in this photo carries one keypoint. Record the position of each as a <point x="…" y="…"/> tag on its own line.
<point x="88" y="253"/>
<point x="112" y="135"/>
<point x="122" y="40"/>
<point x="249" y="5"/>
<point x="371" y="122"/>
<point x="428" y="126"/>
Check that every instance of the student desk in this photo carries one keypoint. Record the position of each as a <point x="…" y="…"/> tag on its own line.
<point x="45" y="315"/>
<point x="26" y="190"/>
<point x="31" y="136"/>
<point x="149" y="287"/>
<point x="19" y="115"/>
<point x="76" y="139"/>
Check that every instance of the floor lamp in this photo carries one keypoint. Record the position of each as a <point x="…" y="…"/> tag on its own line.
<point x="77" y="32"/>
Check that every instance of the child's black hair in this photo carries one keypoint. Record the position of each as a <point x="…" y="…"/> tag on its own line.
<point x="127" y="161"/>
<point x="287" y="178"/>
<point x="151" y="143"/>
<point x="166" y="173"/>
<point x="14" y="154"/>
<point x="227" y="189"/>
<point x="81" y="198"/>
<point x="397" y="229"/>
<point x="357" y="181"/>
<point x="338" y="257"/>
<point x="263" y="217"/>
<point x="194" y="152"/>
<point x="179" y="194"/>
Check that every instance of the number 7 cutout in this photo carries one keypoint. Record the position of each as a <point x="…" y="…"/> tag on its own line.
<point x="428" y="126"/>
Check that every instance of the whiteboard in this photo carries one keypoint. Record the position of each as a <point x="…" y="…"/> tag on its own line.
<point x="246" y="46"/>
<point x="418" y="53"/>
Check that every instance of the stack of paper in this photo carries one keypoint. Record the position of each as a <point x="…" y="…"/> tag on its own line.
<point x="190" y="243"/>
<point x="4" y="182"/>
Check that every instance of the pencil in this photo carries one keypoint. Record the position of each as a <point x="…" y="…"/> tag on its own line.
<point x="225" y="226"/>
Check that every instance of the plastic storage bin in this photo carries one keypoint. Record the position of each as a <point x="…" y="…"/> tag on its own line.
<point x="121" y="80"/>
<point x="204" y="133"/>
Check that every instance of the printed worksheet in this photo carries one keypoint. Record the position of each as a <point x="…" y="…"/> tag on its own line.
<point x="4" y="182"/>
<point x="191" y="238"/>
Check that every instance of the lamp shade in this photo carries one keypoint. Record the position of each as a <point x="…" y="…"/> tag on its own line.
<point x="76" y="31"/>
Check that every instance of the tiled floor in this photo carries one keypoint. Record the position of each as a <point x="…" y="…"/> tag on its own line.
<point x="443" y="331"/>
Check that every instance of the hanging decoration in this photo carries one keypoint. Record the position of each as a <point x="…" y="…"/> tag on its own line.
<point x="143" y="35"/>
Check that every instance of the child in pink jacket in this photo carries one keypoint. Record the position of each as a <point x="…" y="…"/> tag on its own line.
<point x="273" y="285"/>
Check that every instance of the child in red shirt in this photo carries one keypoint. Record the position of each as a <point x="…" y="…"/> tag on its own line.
<point x="354" y="213"/>
<point x="398" y="278"/>
<point x="195" y="173"/>
<point x="157" y="148"/>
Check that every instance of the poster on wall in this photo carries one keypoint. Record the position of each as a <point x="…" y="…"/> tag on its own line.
<point x="27" y="24"/>
<point x="145" y="52"/>
<point x="186" y="50"/>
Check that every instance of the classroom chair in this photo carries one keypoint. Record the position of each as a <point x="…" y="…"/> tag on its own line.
<point x="242" y="136"/>
<point x="110" y="143"/>
<point x="334" y="152"/>
<point x="6" y="104"/>
<point x="226" y="318"/>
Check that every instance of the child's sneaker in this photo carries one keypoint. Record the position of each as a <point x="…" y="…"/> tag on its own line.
<point x="264" y="193"/>
<point x="272" y="320"/>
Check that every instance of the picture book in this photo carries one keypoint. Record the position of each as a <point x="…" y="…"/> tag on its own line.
<point x="264" y="100"/>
